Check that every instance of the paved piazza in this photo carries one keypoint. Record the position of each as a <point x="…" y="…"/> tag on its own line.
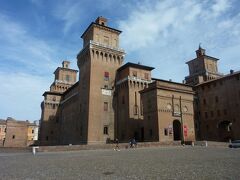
<point x="143" y="163"/>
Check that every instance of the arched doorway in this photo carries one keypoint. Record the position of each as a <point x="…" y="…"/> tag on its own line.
<point x="176" y="130"/>
<point x="224" y="130"/>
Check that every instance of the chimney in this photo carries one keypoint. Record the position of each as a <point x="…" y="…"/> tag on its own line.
<point x="231" y="71"/>
<point x="101" y="20"/>
<point x="65" y="64"/>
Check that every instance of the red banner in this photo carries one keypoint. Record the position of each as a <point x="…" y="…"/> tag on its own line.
<point x="185" y="130"/>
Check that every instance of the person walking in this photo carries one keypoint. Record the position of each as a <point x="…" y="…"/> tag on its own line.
<point x="117" y="145"/>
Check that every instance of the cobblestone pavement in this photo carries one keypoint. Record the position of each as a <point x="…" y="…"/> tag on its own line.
<point x="143" y="163"/>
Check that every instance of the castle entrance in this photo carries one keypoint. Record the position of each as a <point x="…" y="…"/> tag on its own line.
<point x="176" y="130"/>
<point x="224" y="130"/>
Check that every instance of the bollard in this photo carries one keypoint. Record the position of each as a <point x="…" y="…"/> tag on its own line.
<point x="193" y="143"/>
<point x="34" y="149"/>
<point x="206" y="144"/>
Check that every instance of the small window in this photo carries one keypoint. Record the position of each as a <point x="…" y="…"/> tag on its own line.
<point x="123" y="100"/>
<point x="106" y="76"/>
<point x="216" y="99"/>
<point x="150" y="132"/>
<point x="46" y="138"/>
<point x="54" y="106"/>
<point x="67" y="78"/>
<point x="166" y="131"/>
<point x="218" y="113"/>
<point x="32" y="131"/>
<point x="105" y="130"/>
<point x="135" y="109"/>
<point x="134" y="73"/>
<point x="105" y="106"/>
<point x="206" y="115"/>
<point x="51" y="132"/>
<point x="13" y="136"/>
<point x="146" y="76"/>
<point x="204" y="101"/>
<point x="106" y="40"/>
<point x="212" y="114"/>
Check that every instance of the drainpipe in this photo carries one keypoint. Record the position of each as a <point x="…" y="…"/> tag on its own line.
<point x="181" y="118"/>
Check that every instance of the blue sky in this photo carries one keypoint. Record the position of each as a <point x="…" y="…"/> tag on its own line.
<point x="36" y="35"/>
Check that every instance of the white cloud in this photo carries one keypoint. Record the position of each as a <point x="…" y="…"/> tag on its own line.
<point x="24" y="62"/>
<point x="70" y="12"/>
<point x="23" y="48"/>
<point x="21" y="95"/>
<point x="220" y="6"/>
<point x="165" y="34"/>
<point x="36" y="2"/>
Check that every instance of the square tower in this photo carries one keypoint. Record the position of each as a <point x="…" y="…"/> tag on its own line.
<point x="202" y="68"/>
<point x="98" y="62"/>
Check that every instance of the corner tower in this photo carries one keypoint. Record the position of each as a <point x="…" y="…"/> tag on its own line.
<point x="202" y="68"/>
<point x="50" y="116"/>
<point x="98" y="62"/>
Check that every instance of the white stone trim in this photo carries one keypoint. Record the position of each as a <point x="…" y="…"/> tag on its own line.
<point x="132" y="78"/>
<point x="62" y="102"/>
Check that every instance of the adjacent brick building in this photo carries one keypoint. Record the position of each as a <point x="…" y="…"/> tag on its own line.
<point x="217" y="101"/>
<point x="17" y="133"/>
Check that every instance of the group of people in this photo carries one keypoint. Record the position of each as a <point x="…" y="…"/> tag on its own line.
<point x="132" y="144"/>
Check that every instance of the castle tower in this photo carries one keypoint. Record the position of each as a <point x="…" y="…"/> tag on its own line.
<point x="202" y="68"/>
<point x="131" y="79"/>
<point x="98" y="62"/>
<point x="50" y="117"/>
<point x="64" y="78"/>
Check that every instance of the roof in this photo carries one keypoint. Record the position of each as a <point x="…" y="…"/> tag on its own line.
<point x="52" y="93"/>
<point x="168" y="85"/>
<point x="220" y="78"/>
<point x="93" y="23"/>
<point x="171" y="82"/>
<point x="139" y="66"/>
<point x="69" y="89"/>
<point x="62" y="68"/>
<point x="210" y="57"/>
<point x="2" y="121"/>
